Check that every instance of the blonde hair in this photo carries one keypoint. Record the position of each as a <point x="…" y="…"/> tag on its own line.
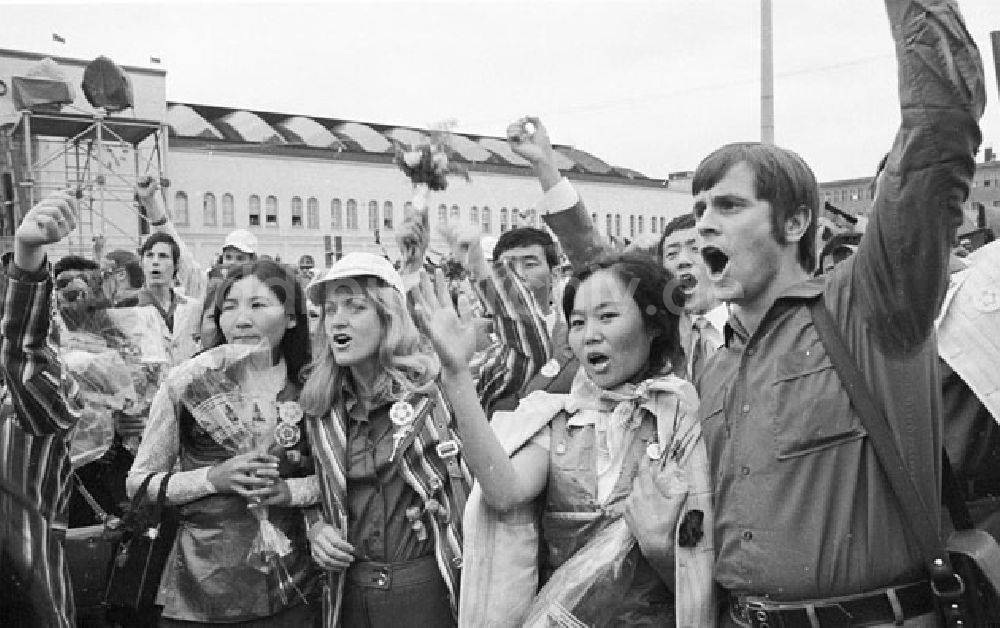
<point x="408" y="364"/>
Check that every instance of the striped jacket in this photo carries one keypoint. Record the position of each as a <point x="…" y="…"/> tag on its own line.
<point x="39" y="410"/>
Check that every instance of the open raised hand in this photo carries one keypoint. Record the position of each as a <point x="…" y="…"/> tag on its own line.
<point x="450" y="330"/>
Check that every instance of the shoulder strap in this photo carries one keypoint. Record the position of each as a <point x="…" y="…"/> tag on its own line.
<point x="922" y="526"/>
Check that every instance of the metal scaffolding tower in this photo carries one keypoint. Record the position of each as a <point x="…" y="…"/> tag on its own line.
<point x="101" y="157"/>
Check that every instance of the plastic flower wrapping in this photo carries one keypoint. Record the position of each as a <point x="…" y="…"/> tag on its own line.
<point x="209" y="387"/>
<point x="118" y="357"/>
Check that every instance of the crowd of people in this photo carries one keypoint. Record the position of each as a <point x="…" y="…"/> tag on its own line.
<point x="653" y="437"/>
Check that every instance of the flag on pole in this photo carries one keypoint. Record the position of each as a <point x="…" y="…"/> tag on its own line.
<point x="58" y="38"/>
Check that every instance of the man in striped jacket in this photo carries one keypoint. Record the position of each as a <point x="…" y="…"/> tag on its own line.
<point x="39" y="408"/>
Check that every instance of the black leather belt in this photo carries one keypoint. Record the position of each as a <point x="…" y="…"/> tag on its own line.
<point x="373" y="574"/>
<point x="882" y="606"/>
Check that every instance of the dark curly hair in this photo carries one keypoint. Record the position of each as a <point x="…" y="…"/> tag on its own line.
<point x="281" y="281"/>
<point x="656" y="293"/>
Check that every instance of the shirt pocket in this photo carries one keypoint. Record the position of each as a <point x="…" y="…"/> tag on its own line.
<point x="812" y="411"/>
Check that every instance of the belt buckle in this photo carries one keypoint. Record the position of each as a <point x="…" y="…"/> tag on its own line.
<point x="381" y="578"/>
<point x="447" y="449"/>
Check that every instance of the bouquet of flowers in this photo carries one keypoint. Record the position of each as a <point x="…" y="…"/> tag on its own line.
<point x="430" y="164"/>
<point x="118" y="357"/>
<point x="208" y="385"/>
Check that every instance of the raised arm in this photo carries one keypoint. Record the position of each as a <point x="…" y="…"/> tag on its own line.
<point x="45" y="401"/>
<point x="900" y="270"/>
<point x="561" y="207"/>
<point x="192" y="276"/>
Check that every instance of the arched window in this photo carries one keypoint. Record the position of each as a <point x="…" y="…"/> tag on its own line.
<point x="442" y="213"/>
<point x="296" y="211"/>
<point x="515" y="217"/>
<point x="607" y="223"/>
<point x="631" y="225"/>
<point x="373" y="215"/>
<point x="640" y="224"/>
<point x="336" y="216"/>
<point x="593" y="220"/>
<point x="456" y="213"/>
<point x="254" y="206"/>
<point x="208" y="216"/>
<point x="474" y="215"/>
<point x="181" y="208"/>
<point x="228" y="219"/>
<point x="312" y="213"/>
<point x="618" y="225"/>
<point x="271" y="211"/>
<point x="503" y="219"/>
<point x="387" y="214"/>
<point x="352" y="214"/>
<point x="533" y="217"/>
<point x="486" y="219"/>
<point x="663" y="223"/>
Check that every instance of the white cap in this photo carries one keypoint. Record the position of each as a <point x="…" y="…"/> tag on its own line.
<point x="243" y="240"/>
<point x="356" y="264"/>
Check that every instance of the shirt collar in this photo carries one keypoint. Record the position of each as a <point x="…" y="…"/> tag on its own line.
<point x="801" y="291"/>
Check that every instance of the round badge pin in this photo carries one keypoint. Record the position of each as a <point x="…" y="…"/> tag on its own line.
<point x="653" y="451"/>
<point x="287" y="435"/>
<point x="401" y="413"/>
<point x="988" y="300"/>
<point x="551" y="368"/>
<point x="290" y="412"/>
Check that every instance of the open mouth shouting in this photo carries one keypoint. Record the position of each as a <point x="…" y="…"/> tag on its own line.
<point x="715" y="260"/>
<point x="598" y="362"/>
<point x="688" y="283"/>
<point x="340" y="342"/>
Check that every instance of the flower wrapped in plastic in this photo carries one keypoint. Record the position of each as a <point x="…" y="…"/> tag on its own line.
<point x="209" y="387"/>
<point x="118" y="357"/>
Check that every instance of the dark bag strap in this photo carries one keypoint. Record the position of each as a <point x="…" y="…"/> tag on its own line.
<point x="99" y="512"/>
<point x="952" y="496"/>
<point x="923" y="527"/>
<point x="141" y="496"/>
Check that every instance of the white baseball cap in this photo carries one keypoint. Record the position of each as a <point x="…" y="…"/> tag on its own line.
<point x="356" y="264"/>
<point x="243" y="240"/>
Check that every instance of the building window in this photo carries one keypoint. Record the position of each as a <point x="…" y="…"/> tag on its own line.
<point x="271" y="211"/>
<point x="486" y="219"/>
<point x="456" y="213"/>
<point x="228" y="219"/>
<point x="387" y="214"/>
<point x="442" y="213"/>
<point x="312" y="213"/>
<point x="352" y="214"/>
<point x="663" y="224"/>
<point x="474" y="215"/>
<point x="336" y="216"/>
<point x="593" y="220"/>
<point x="533" y="217"/>
<point x="503" y="219"/>
<point x="640" y="224"/>
<point x="631" y="226"/>
<point x="607" y="223"/>
<point x="296" y="211"/>
<point x="515" y="217"/>
<point x="208" y="210"/>
<point x="372" y="215"/>
<point x="986" y="183"/>
<point x="181" y="208"/>
<point x="618" y="225"/>
<point x="254" y="211"/>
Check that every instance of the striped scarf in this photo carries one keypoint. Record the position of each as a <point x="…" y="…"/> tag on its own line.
<point x="442" y="482"/>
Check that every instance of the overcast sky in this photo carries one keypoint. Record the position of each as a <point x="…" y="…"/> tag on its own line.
<point x="652" y="86"/>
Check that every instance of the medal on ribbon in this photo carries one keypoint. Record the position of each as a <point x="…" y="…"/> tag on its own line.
<point x="287" y="433"/>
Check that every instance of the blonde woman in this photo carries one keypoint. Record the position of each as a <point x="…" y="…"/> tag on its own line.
<point x="392" y="480"/>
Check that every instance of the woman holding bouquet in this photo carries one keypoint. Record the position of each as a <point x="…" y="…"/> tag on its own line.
<point x="394" y="485"/>
<point x="226" y="423"/>
<point x="621" y="449"/>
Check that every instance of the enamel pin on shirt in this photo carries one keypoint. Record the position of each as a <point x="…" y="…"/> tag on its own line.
<point x="401" y="414"/>
<point x="287" y="433"/>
